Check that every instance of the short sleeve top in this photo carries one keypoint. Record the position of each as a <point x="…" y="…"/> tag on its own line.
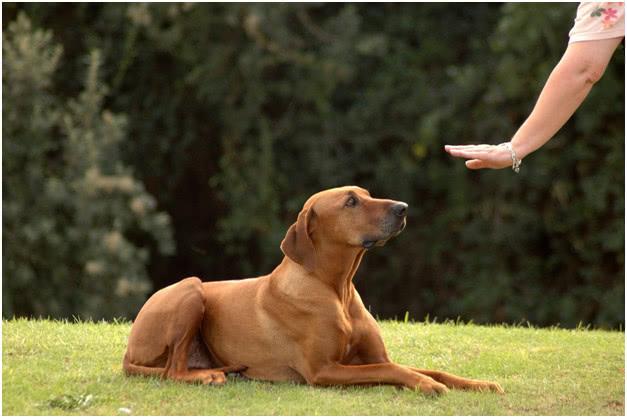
<point x="597" y="21"/>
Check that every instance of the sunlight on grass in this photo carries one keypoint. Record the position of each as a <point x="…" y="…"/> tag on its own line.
<point x="65" y="368"/>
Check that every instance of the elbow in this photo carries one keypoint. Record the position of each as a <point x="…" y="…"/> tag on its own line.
<point x="592" y="76"/>
<point x="592" y="71"/>
<point x="317" y="379"/>
<point x="584" y="63"/>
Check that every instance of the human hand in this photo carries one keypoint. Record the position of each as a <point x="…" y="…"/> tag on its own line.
<point x="482" y="156"/>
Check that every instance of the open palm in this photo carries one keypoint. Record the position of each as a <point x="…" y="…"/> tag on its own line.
<point x="481" y="156"/>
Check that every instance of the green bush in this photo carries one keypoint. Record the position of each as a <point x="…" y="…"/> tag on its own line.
<point x="238" y="112"/>
<point x="72" y="211"/>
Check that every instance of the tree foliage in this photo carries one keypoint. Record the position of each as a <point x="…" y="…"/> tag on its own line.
<point x="71" y="209"/>
<point x="238" y="112"/>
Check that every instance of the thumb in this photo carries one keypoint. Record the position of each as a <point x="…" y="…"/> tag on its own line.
<point x="475" y="164"/>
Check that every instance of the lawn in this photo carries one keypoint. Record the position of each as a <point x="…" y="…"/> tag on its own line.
<point x="66" y="368"/>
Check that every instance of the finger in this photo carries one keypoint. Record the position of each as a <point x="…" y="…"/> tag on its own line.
<point x="469" y="154"/>
<point x="456" y="151"/>
<point x="475" y="164"/>
<point x="468" y="147"/>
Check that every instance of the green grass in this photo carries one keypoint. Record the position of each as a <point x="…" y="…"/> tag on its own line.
<point x="64" y="368"/>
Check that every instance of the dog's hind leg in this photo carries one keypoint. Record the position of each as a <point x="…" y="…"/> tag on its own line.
<point x="165" y="328"/>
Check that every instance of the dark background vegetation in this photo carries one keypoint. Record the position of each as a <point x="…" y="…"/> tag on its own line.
<point x="143" y="143"/>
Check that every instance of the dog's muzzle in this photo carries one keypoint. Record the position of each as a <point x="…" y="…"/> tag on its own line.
<point x="393" y="224"/>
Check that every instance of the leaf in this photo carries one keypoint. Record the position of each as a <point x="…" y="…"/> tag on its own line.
<point x="70" y="402"/>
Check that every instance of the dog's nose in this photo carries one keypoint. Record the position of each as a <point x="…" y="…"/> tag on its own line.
<point x="399" y="209"/>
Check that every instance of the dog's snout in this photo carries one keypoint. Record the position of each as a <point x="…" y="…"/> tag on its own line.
<point x="399" y="209"/>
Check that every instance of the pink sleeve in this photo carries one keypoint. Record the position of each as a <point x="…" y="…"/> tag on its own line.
<point x="597" y="21"/>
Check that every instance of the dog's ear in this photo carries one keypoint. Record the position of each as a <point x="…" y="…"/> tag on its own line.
<point x="297" y="244"/>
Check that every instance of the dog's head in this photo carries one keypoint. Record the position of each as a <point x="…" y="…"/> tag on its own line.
<point x="345" y="216"/>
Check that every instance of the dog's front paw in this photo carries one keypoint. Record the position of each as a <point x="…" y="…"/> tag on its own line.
<point x="431" y="387"/>
<point x="485" y="386"/>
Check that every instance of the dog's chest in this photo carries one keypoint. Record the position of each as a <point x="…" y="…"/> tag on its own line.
<point x="349" y="337"/>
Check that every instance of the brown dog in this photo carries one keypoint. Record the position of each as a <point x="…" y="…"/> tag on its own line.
<point x="303" y="322"/>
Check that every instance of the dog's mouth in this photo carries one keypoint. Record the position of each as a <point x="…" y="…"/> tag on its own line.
<point x="368" y="243"/>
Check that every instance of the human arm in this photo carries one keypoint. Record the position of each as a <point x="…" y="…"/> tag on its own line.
<point x="581" y="66"/>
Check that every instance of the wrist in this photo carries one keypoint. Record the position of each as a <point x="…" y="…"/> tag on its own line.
<point x="522" y="147"/>
<point x="516" y="160"/>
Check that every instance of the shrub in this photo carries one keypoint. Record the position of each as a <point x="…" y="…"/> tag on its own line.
<point x="76" y="222"/>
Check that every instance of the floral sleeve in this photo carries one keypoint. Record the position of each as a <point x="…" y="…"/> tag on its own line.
<point x="597" y="21"/>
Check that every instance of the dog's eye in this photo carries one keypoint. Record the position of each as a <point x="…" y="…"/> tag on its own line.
<point x="351" y="202"/>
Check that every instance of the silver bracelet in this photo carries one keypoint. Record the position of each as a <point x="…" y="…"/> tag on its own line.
<point x="515" y="161"/>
